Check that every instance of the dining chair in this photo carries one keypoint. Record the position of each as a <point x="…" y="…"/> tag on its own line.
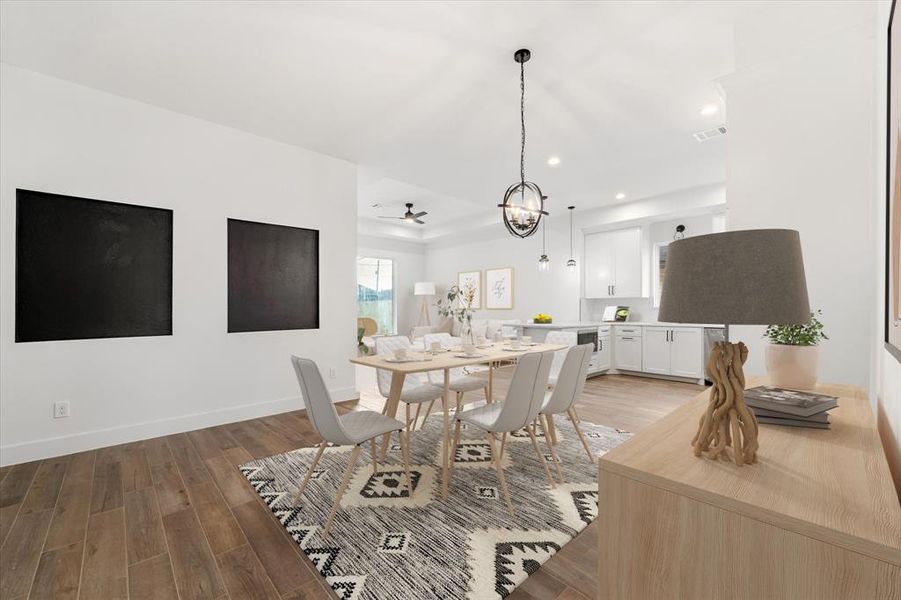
<point x="353" y="429"/>
<point x="519" y="410"/>
<point x="569" y="338"/>
<point x="416" y="390"/>
<point x="562" y="399"/>
<point x="459" y="381"/>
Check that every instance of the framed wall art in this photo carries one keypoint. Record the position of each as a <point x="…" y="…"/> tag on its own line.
<point x="471" y="280"/>
<point x="499" y="289"/>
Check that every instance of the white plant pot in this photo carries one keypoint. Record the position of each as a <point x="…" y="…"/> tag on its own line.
<point x="793" y="367"/>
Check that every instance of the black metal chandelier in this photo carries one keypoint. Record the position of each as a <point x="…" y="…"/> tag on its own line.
<point x="523" y="204"/>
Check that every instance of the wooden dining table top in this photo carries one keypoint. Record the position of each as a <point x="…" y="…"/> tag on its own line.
<point x="452" y="359"/>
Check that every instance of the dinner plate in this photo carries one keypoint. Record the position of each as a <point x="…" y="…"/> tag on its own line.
<point x="406" y="360"/>
<point x="469" y="355"/>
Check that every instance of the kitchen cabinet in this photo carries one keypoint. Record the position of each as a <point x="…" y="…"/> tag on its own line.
<point x="677" y="351"/>
<point x="613" y="264"/>
<point x="627" y="353"/>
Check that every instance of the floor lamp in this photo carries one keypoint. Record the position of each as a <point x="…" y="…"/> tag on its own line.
<point x="753" y="277"/>
<point x="424" y="289"/>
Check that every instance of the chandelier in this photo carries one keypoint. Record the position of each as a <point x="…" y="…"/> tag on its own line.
<point x="523" y="203"/>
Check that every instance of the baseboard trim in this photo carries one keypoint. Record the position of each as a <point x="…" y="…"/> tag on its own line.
<point x="12" y="454"/>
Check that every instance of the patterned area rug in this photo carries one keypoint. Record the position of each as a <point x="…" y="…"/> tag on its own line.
<point x="385" y="545"/>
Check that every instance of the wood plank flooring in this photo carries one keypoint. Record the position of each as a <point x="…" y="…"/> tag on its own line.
<point x="172" y="517"/>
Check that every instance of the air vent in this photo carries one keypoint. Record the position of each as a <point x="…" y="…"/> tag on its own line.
<point x="703" y="136"/>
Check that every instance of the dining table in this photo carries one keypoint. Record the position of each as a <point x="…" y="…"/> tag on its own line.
<point x="492" y="355"/>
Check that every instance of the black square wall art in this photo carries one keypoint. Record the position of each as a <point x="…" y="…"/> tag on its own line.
<point x="273" y="277"/>
<point x="91" y="269"/>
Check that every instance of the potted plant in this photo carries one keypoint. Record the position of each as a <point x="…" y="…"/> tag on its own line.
<point x="459" y="307"/>
<point x="792" y="356"/>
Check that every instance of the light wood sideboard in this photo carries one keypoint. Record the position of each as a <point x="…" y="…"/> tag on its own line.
<point x="817" y="517"/>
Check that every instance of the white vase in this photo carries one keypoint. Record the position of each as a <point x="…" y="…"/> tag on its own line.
<point x="793" y="367"/>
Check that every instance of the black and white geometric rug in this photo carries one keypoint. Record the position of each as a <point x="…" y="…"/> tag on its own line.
<point x="385" y="545"/>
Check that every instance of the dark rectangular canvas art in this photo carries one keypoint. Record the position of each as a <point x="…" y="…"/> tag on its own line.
<point x="273" y="277"/>
<point x="91" y="268"/>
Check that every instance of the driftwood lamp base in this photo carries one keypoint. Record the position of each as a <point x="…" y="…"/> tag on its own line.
<point x="727" y="422"/>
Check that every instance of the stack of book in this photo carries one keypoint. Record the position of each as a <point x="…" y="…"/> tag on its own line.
<point x="779" y="406"/>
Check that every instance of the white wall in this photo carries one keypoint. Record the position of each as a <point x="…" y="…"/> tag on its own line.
<point x="409" y="267"/>
<point x="801" y="156"/>
<point x="63" y="138"/>
<point x="558" y="291"/>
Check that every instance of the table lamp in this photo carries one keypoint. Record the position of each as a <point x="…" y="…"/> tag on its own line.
<point x="753" y="277"/>
<point x="424" y="289"/>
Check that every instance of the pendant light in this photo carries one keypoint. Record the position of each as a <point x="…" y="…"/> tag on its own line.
<point x="523" y="204"/>
<point x="544" y="263"/>
<point x="571" y="263"/>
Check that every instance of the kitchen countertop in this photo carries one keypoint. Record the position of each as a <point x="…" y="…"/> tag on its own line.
<point x="588" y="324"/>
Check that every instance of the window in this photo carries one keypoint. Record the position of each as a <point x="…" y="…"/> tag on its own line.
<point x="375" y="292"/>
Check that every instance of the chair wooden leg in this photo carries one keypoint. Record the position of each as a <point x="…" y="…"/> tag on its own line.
<point x="375" y="457"/>
<point x="405" y="450"/>
<point x="408" y="419"/>
<point x="416" y="419"/>
<point x="550" y="447"/>
<point x="453" y="452"/>
<point x="428" y="411"/>
<point x="500" y="473"/>
<point x="354" y="456"/>
<point x="503" y="444"/>
<point x="306" y="479"/>
<point x="547" y="472"/>
<point x="575" y="419"/>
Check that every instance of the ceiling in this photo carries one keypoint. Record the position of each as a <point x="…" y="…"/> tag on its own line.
<point x="423" y="95"/>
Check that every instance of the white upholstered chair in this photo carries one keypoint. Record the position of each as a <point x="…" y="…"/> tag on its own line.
<point x="353" y="429"/>
<point x="570" y="384"/>
<point x="570" y="338"/>
<point x="459" y="381"/>
<point x="417" y="389"/>
<point x="519" y="410"/>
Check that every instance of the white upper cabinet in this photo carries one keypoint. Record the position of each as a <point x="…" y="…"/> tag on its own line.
<point x="613" y="264"/>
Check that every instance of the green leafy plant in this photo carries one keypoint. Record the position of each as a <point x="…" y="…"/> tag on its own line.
<point x="458" y="306"/>
<point x="804" y="334"/>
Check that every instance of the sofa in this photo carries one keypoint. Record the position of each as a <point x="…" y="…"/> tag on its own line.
<point x="481" y="328"/>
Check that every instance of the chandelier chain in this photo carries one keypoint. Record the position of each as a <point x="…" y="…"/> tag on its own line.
<point x="522" y="122"/>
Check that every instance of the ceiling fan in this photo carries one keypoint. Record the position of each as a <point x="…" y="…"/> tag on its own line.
<point x="410" y="216"/>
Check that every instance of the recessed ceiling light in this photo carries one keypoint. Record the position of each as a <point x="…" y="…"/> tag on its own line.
<point x="553" y="161"/>
<point x="620" y="196"/>
<point x="709" y="109"/>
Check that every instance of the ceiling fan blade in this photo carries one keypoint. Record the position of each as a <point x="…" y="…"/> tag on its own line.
<point x="419" y="222"/>
<point x="420" y="214"/>
<point x="381" y="217"/>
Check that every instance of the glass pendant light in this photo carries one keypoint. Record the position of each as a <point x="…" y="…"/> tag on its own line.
<point x="523" y="204"/>
<point x="571" y="263"/>
<point x="544" y="263"/>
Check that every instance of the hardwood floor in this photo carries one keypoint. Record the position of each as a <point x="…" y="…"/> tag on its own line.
<point x="172" y="517"/>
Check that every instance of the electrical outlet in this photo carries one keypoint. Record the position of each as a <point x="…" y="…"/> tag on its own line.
<point x="61" y="409"/>
<point x="332" y="373"/>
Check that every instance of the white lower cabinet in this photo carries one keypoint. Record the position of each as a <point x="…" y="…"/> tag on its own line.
<point x="601" y="359"/>
<point x="677" y="351"/>
<point x="627" y="354"/>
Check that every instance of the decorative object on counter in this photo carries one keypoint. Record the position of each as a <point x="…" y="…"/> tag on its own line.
<point x="622" y="314"/>
<point x="792" y="356"/>
<point x="680" y="232"/>
<point x="542" y="319"/>
<point x="458" y="306"/>
<point x="780" y="406"/>
<point x="471" y="280"/>
<point x="752" y="277"/>
<point x="523" y="204"/>
<point x="499" y="288"/>
<point x="425" y="289"/>
<point x="544" y="263"/>
<point x="571" y="263"/>
<point x="614" y="314"/>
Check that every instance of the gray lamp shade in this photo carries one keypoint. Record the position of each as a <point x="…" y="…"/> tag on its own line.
<point x="753" y="277"/>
